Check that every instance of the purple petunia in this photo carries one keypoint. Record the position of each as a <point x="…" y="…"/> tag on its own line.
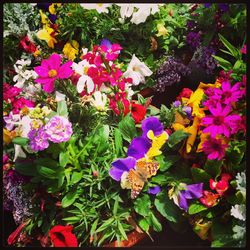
<point x="58" y="129"/>
<point x="154" y="190"/>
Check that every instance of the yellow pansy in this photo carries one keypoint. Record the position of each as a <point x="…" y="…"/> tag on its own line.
<point x="70" y="50"/>
<point x="53" y="6"/>
<point x="162" y="31"/>
<point x="45" y="34"/>
<point x="157" y="143"/>
<point x="201" y="228"/>
<point x="44" y="18"/>
<point x="195" y="101"/>
<point x="193" y="133"/>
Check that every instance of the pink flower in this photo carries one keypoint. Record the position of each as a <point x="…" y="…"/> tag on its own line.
<point x="50" y="70"/>
<point x="221" y="186"/>
<point x="209" y="199"/>
<point x="214" y="149"/>
<point x="220" y="121"/>
<point x="21" y="103"/>
<point x="244" y="49"/>
<point x="10" y="92"/>
<point x="120" y="104"/>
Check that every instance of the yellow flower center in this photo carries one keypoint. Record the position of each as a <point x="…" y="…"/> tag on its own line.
<point x="85" y="70"/>
<point x="100" y="4"/>
<point x="52" y="73"/>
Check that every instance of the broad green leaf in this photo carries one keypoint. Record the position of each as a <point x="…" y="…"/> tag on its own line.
<point x="166" y="207"/>
<point x="176" y="137"/>
<point x="162" y="179"/>
<point x="200" y="175"/>
<point x="76" y="177"/>
<point x="69" y="199"/>
<point x="156" y="224"/>
<point x="63" y="159"/>
<point x="47" y="172"/>
<point x="213" y="168"/>
<point x="20" y="141"/>
<point x="26" y="168"/>
<point x="127" y="128"/>
<point x="142" y="205"/>
<point x="143" y="224"/>
<point x="196" y="207"/>
<point x="167" y="161"/>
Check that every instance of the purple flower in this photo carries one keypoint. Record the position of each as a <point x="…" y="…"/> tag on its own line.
<point x="138" y="147"/>
<point x="154" y="190"/>
<point x="38" y="139"/>
<point x="120" y="166"/>
<point x="176" y="104"/>
<point x="193" y="191"/>
<point x="224" y="7"/>
<point x="106" y="42"/>
<point x="43" y="6"/>
<point x="5" y="158"/>
<point x="193" y="39"/>
<point x="152" y="123"/>
<point x="188" y="111"/>
<point x="207" y="5"/>
<point x="58" y="129"/>
<point x="52" y="18"/>
<point x="10" y="120"/>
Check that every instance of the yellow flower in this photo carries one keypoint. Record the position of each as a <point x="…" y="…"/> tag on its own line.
<point x="194" y="102"/>
<point x="53" y="6"/>
<point x="70" y="50"/>
<point x="37" y="53"/>
<point x="8" y="136"/>
<point x="202" y="85"/>
<point x="44" y="18"/>
<point x="193" y="132"/>
<point x="46" y="34"/>
<point x="157" y="143"/>
<point x="162" y="31"/>
<point x="203" y="137"/>
<point x="201" y="228"/>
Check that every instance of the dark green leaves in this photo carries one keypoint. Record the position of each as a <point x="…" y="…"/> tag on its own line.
<point x="142" y="205"/>
<point x="200" y="175"/>
<point x="69" y="199"/>
<point x="118" y="142"/>
<point x="196" y="207"/>
<point x="176" y="137"/>
<point x="213" y="168"/>
<point x="127" y="128"/>
<point x="20" y="141"/>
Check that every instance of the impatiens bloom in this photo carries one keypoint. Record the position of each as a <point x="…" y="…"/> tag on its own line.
<point x="138" y="112"/>
<point x="244" y="49"/>
<point x="220" y="121"/>
<point x="70" y="50"/>
<point x="209" y="199"/>
<point x="214" y="149"/>
<point x="137" y="70"/>
<point x="50" y="70"/>
<point x="62" y="236"/>
<point x="185" y="192"/>
<point x="154" y="190"/>
<point x="221" y="186"/>
<point x="58" y="129"/>
<point x="99" y="7"/>
<point x="38" y="139"/>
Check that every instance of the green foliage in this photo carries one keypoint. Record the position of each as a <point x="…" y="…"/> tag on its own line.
<point x="176" y="138"/>
<point x="196" y="207"/>
<point x="127" y="128"/>
<point x="20" y="141"/>
<point x="200" y="175"/>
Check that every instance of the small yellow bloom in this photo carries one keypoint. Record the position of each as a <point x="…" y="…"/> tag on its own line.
<point x="70" y="50"/>
<point x="201" y="228"/>
<point x="193" y="132"/>
<point x="46" y="34"/>
<point x="37" y="53"/>
<point x="44" y="18"/>
<point x="8" y="136"/>
<point x="162" y="31"/>
<point x="202" y="85"/>
<point x="53" y="6"/>
<point x="195" y="101"/>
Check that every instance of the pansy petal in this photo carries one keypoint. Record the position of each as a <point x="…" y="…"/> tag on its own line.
<point x="182" y="201"/>
<point x="152" y="123"/>
<point x="193" y="191"/>
<point x="154" y="190"/>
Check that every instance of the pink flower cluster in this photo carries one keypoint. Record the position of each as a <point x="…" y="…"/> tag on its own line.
<point x="11" y="95"/>
<point x="57" y="130"/>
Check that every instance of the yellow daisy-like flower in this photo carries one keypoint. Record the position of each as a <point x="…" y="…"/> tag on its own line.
<point x="70" y="50"/>
<point x="46" y="34"/>
<point x="162" y="31"/>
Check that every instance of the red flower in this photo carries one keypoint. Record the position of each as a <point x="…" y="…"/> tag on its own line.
<point x="186" y="92"/>
<point x="27" y="45"/>
<point x="61" y="236"/>
<point x="244" y="49"/>
<point x="221" y="186"/>
<point x="209" y="199"/>
<point x="12" y="239"/>
<point x="138" y="112"/>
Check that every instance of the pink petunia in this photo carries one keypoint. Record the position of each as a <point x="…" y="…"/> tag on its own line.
<point x="50" y="70"/>
<point x="214" y="149"/>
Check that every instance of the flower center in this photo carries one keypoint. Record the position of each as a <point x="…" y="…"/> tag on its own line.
<point x="100" y="4"/>
<point x="218" y="120"/>
<point x="52" y="73"/>
<point x="136" y="68"/>
<point x="85" y="70"/>
<point x="227" y="94"/>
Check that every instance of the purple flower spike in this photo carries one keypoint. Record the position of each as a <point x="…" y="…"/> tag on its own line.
<point x="138" y="147"/>
<point x="152" y="123"/>
<point x="106" y="42"/>
<point x="193" y="191"/>
<point x="121" y="165"/>
<point x="154" y="190"/>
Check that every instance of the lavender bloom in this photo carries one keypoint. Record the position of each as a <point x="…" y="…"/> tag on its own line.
<point x="152" y="123"/>
<point x="207" y="5"/>
<point x="169" y="73"/>
<point x="176" y="104"/>
<point x="10" y="120"/>
<point x="154" y="190"/>
<point x="38" y="139"/>
<point x="138" y="147"/>
<point x="193" y="39"/>
<point x="120" y="166"/>
<point x="106" y="42"/>
<point x="58" y="129"/>
<point x="188" y="111"/>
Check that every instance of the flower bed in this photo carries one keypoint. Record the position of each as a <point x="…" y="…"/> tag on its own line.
<point x="119" y="118"/>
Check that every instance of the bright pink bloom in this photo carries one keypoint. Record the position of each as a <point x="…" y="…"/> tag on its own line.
<point x="111" y="51"/>
<point x="120" y="104"/>
<point x="224" y="76"/>
<point x="214" y="149"/>
<point x="50" y="70"/>
<point x="10" y="92"/>
<point x="21" y="103"/>
<point x="221" y="186"/>
<point x="244" y="49"/>
<point x="220" y="121"/>
<point x="209" y="199"/>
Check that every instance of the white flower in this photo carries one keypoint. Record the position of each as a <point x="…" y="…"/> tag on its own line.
<point x="241" y="182"/>
<point x="99" y="100"/>
<point x="126" y="10"/>
<point x="239" y="232"/>
<point x="239" y="212"/>
<point x="18" y="152"/>
<point x="137" y="70"/>
<point x="81" y="68"/>
<point x="25" y="126"/>
<point x="59" y="97"/>
<point x="125" y="184"/>
<point x="130" y="91"/>
<point x="99" y="7"/>
<point x="140" y="16"/>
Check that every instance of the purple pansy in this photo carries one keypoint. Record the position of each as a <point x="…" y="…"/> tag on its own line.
<point x="154" y="190"/>
<point x="138" y="147"/>
<point x="120" y="166"/>
<point x="152" y="123"/>
<point x="193" y="191"/>
<point x="106" y="42"/>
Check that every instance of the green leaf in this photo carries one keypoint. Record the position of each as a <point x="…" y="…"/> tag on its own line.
<point x="238" y="65"/>
<point x="200" y="175"/>
<point x="20" y="141"/>
<point x="69" y="199"/>
<point x="176" y="137"/>
<point x="118" y="143"/>
<point x="63" y="159"/>
<point x="162" y="179"/>
<point x="213" y="168"/>
<point x="94" y="226"/>
<point x="196" y="207"/>
<point x="143" y="224"/>
<point x="72" y="219"/>
<point x="156" y="224"/>
<point x="142" y="205"/>
<point x="127" y="128"/>
<point x="76" y="177"/>
<point x="167" y="162"/>
<point x="116" y="205"/>
<point x="47" y="172"/>
<point x="105" y="225"/>
<point x="226" y="65"/>
<point x="166" y="207"/>
<point x="234" y="51"/>
<point x="121" y="229"/>
<point x="26" y="168"/>
<point x="62" y="109"/>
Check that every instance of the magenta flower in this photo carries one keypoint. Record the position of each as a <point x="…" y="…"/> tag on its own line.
<point x="10" y="92"/>
<point x="50" y="70"/>
<point x="58" y="129"/>
<point x="244" y="49"/>
<point x="38" y="139"/>
<point x="220" y="121"/>
<point x="214" y="149"/>
<point x="21" y="103"/>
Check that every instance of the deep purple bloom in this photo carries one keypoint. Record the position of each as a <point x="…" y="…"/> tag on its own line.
<point x="152" y="123"/>
<point x="52" y="18"/>
<point x="188" y="111"/>
<point x="193" y="191"/>
<point x="106" y="42"/>
<point x="224" y="7"/>
<point x="154" y="190"/>
<point x="207" y="5"/>
<point x="43" y="6"/>
<point x="120" y="166"/>
<point x="193" y="39"/>
<point x="214" y="149"/>
<point x="138" y="147"/>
